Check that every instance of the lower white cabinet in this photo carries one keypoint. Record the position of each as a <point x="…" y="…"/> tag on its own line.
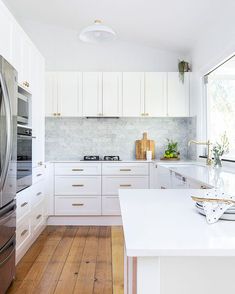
<point x="110" y="205"/>
<point x="91" y="188"/>
<point x="77" y="205"/>
<point x="23" y="233"/>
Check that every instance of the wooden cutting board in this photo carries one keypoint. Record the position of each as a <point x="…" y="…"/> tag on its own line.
<point x="143" y="145"/>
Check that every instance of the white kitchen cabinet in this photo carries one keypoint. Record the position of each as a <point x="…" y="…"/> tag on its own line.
<point x="77" y="169"/>
<point x="155" y="94"/>
<point x="69" y="94"/>
<point x="112" y="94"/>
<point x="178" y="95"/>
<point x="6" y="27"/>
<point x="133" y="94"/>
<point x="51" y="94"/>
<point x="38" y="108"/>
<point x="125" y="168"/>
<point x="92" y="94"/>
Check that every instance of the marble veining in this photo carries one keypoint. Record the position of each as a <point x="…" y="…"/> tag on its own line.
<point x="72" y="138"/>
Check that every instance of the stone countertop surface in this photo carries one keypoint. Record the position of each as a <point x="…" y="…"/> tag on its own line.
<point x="166" y="223"/>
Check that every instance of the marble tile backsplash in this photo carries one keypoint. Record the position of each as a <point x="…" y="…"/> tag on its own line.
<point x="72" y="138"/>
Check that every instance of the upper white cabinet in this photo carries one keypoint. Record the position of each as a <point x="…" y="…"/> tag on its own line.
<point x="112" y="94"/>
<point x="116" y="94"/>
<point x="178" y="94"/>
<point x="63" y="94"/>
<point x="133" y="94"/>
<point x="92" y="94"/>
<point x="155" y="94"/>
<point x="6" y="27"/>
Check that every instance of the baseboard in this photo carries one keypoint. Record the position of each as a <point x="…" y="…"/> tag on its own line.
<point x="84" y="220"/>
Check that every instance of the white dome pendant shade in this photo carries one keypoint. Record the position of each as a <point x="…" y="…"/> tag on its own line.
<point x="97" y="33"/>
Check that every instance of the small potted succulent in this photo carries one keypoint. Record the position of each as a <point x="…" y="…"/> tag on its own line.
<point x="183" y="66"/>
<point x="219" y="149"/>
<point x="172" y="150"/>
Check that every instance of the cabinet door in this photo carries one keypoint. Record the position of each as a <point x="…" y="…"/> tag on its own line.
<point x="6" y="26"/>
<point x="27" y="64"/>
<point x="68" y="94"/>
<point x="38" y="121"/>
<point x="155" y="94"/>
<point x="133" y="94"/>
<point x="51" y="94"/>
<point x="178" y="95"/>
<point x="112" y="91"/>
<point x="92" y="93"/>
<point x="17" y="40"/>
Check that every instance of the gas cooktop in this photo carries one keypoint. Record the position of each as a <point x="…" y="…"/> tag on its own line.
<point x="97" y="158"/>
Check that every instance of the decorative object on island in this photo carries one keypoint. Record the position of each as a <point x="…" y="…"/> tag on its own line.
<point x="219" y="149"/>
<point x="171" y="153"/>
<point x="183" y="67"/>
<point x="144" y="145"/>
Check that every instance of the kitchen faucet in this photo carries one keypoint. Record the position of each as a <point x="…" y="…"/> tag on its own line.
<point x="208" y="143"/>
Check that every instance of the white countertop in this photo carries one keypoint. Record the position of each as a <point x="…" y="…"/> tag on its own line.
<point x="166" y="223"/>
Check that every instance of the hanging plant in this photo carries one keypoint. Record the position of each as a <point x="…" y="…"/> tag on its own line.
<point x="183" y="67"/>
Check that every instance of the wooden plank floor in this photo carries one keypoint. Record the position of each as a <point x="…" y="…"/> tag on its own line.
<point x="71" y="259"/>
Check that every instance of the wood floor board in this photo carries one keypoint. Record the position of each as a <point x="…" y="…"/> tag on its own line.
<point x="73" y="260"/>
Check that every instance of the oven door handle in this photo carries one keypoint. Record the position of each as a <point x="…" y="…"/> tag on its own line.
<point x="25" y="137"/>
<point x="7" y="104"/>
<point x="9" y="244"/>
<point x="8" y="210"/>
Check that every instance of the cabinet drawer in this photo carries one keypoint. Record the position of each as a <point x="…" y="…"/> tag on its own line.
<point x="79" y="168"/>
<point x="110" y="205"/>
<point x="23" y="203"/>
<point x="38" y="174"/>
<point x="23" y="232"/>
<point x="37" y="217"/>
<point x="78" y="185"/>
<point x="111" y="184"/>
<point x="37" y="194"/>
<point x="125" y="169"/>
<point x="78" y="205"/>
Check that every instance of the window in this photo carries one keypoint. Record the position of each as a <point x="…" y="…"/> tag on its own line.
<point x="221" y="105"/>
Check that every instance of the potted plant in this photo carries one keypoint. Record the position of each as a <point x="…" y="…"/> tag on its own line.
<point x="183" y="67"/>
<point x="172" y="150"/>
<point x="219" y="149"/>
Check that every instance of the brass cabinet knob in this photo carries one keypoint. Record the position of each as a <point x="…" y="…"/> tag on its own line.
<point x="54" y="113"/>
<point x="59" y="114"/>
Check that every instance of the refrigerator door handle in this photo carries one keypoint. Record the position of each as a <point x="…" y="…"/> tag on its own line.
<point x="6" y="102"/>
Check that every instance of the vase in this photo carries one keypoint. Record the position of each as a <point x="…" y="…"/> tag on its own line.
<point x="217" y="161"/>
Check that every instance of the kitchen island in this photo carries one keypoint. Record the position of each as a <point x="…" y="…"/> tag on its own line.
<point x="170" y="248"/>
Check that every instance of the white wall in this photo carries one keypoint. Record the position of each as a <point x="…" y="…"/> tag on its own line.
<point x="63" y="51"/>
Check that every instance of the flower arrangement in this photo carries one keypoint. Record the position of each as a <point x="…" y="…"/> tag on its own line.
<point x="219" y="149"/>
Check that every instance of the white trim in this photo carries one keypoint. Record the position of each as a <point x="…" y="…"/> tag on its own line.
<point x="84" y="220"/>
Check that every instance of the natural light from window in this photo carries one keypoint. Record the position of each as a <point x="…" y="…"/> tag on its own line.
<point x="221" y="105"/>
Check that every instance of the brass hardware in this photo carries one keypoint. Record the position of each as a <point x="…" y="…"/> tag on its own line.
<point x="78" y="185"/>
<point x="146" y="114"/>
<point x="208" y="143"/>
<point x="38" y="217"/>
<point x="54" y="113"/>
<point x="24" y="204"/>
<point x="26" y="84"/>
<point x="59" y="114"/>
<point x="39" y="175"/>
<point x="23" y="233"/>
<point x="163" y="188"/>
<point x="125" y="185"/>
<point x="77" y="204"/>
<point x="125" y="169"/>
<point x="77" y="169"/>
<point x="39" y="193"/>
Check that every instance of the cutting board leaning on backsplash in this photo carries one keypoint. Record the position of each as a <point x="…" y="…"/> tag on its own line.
<point x="143" y="145"/>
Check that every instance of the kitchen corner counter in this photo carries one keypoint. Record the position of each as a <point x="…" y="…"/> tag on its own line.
<point x="166" y="223"/>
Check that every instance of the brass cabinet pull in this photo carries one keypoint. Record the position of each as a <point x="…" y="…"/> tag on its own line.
<point x="78" y="185"/>
<point x="24" y="204"/>
<point x="23" y="233"/>
<point x="146" y="114"/>
<point x="39" y="193"/>
<point x="26" y="84"/>
<point x="125" y="169"/>
<point x="39" y="175"/>
<point x="77" y="169"/>
<point x="77" y="204"/>
<point x="38" y="217"/>
<point x="59" y="114"/>
<point x="162" y="187"/>
<point x="125" y="185"/>
<point x="54" y="113"/>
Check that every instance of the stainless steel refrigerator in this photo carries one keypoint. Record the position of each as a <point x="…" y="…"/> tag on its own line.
<point x="8" y="163"/>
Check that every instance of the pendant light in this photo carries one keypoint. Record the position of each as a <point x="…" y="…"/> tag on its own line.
<point x="97" y="33"/>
